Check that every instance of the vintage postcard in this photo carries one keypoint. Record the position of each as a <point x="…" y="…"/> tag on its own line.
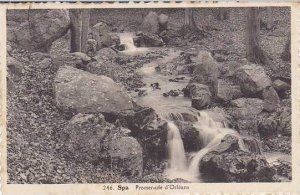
<point x="150" y="98"/>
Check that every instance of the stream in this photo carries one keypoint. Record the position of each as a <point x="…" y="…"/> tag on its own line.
<point x="171" y="108"/>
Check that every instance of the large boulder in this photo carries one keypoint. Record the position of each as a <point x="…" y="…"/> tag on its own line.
<point x="271" y="99"/>
<point x="252" y="79"/>
<point x="236" y="166"/>
<point x="150" y="23"/>
<point x="199" y="94"/>
<point x="84" y="137"/>
<point x="227" y="91"/>
<point x="206" y="71"/>
<point x="101" y="33"/>
<point x="83" y="92"/>
<point x="236" y="159"/>
<point x="146" y="127"/>
<point x="126" y="156"/>
<point x="232" y="161"/>
<point x="190" y="136"/>
<point x="153" y="139"/>
<point x="42" y="28"/>
<point x="246" y="107"/>
<point x="151" y="40"/>
<point x="245" y="113"/>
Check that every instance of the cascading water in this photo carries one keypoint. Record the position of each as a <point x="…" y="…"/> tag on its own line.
<point x="177" y="158"/>
<point x="211" y="134"/>
<point x="127" y="40"/>
<point x="171" y="109"/>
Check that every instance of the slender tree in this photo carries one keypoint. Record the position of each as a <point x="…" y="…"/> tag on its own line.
<point x="286" y="54"/>
<point x="85" y="28"/>
<point x="254" y="51"/>
<point x="79" y="29"/>
<point x="189" y="18"/>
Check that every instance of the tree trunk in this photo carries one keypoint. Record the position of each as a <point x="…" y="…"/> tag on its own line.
<point x="254" y="51"/>
<point x="75" y="18"/>
<point x="79" y="29"/>
<point x="286" y="54"/>
<point x="84" y="29"/>
<point x="189" y="18"/>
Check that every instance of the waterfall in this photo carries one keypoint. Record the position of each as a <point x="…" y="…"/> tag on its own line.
<point x="177" y="161"/>
<point x="211" y="134"/>
<point x="127" y="40"/>
<point x="177" y="158"/>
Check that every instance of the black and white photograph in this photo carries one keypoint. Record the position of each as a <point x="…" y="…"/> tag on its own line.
<point x="149" y="95"/>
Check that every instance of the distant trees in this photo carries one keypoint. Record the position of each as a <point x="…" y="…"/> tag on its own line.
<point x="79" y="29"/>
<point x="254" y="51"/>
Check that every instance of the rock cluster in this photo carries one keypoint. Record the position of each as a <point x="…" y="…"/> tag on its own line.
<point x="249" y="94"/>
<point x="151" y="30"/>
<point x="42" y="28"/>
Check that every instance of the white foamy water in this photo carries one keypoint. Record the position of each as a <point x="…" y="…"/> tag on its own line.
<point x="170" y="109"/>
<point x="177" y="158"/>
<point x="211" y="134"/>
<point x="130" y="48"/>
